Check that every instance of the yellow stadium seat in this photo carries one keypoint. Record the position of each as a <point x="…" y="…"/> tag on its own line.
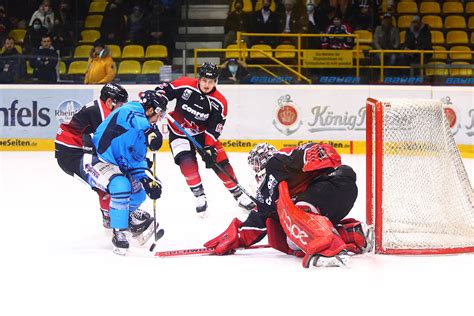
<point x="437" y="69"/>
<point x="437" y="37"/>
<point x="404" y="21"/>
<point x="284" y="51"/>
<point x="18" y="35"/>
<point x="457" y="37"/>
<point x="133" y="51"/>
<point x="78" y="68"/>
<point x="29" y="69"/>
<point x="151" y="67"/>
<point x="93" y="21"/>
<point x="472" y="38"/>
<point x="440" y="55"/>
<point x="236" y="54"/>
<point x="470" y="23"/>
<point x="407" y="7"/>
<point x="430" y="8"/>
<point x="82" y="51"/>
<point x="434" y="21"/>
<point x="62" y="68"/>
<point x="89" y="36"/>
<point x="247" y="6"/>
<point x="465" y="69"/>
<point x="463" y="56"/>
<point x="19" y="49"/>
<point x="115" y="51"/>
<point x="263" y="47"/>
<point x="129" y="67"/>
<point x="97" y="6"/>
<point x="365" y="37"/>
<point x="455" y="22"/>
<point x="470" y="7"/>
<point x="402" y="37"/>
<point x="259" y="5"/>
<point x="156" y="51"/>
<point x="452" y="7"/>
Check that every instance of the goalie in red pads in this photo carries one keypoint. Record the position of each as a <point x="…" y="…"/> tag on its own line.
<point x="304" y="195"/>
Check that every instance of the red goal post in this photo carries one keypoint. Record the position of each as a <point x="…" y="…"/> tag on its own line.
<point x="418" y="194"/>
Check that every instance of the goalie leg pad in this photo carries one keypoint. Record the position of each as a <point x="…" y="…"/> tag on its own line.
<point x="277" y="238"/>
<point x="312" y="233"/>
<point x="357" y="235"/>
<point x="120" y="190"/>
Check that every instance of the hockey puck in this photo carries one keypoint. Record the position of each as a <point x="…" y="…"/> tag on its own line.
<point x="152" y="247"/>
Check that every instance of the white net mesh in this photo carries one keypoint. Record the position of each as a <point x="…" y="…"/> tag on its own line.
<point x="427" y="199"/>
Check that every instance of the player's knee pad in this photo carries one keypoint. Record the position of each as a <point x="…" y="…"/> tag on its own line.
<point x="136" y="199"/>
<point x="355" y="234"/>
<point x="314" y="234"/>
<point x="181" y="149"/>
<point x="120" y="190"/>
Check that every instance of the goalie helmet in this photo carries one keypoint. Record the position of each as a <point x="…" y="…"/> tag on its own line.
<point x="258" y="159"/>
<point x="155" y="100"/>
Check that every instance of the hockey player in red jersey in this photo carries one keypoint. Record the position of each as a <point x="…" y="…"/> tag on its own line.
<point x="202" y="111"/>
<point x="305" y="193"/>
<point x="74" y="139"/>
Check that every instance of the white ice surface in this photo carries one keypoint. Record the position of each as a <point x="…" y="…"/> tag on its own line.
<point x="56" y="258"/>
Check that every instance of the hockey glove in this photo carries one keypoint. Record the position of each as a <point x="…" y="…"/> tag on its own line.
<point x="87" y="145"/>
<point x="152" y="188"/>
<point x="209" y="156"/>
<point x="149" y="163"/>
<point x="154" y="138"/>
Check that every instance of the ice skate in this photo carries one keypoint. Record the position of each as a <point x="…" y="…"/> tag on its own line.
<point x="139" y="221"/>
<point x="368" y="233"/>
<point x="201" y="205"/>
<point x="120" y="242"/>
<point x="245" y="202"/>
<point x="338" y="260"/>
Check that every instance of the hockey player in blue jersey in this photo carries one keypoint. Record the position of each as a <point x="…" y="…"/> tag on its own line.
<point x="121" y="167"/>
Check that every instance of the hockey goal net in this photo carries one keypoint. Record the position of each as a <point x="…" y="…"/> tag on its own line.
<point x="418" y="192"/>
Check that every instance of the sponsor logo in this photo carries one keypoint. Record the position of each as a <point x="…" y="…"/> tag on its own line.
<point x="325" y="119"/>
<point x="451" y="114"/>
<point x="24" y="116"/>
<point x="286" y="116"/>
<point x="197" y="115"/>
<point x="66" y="109"/>
<point x="299" y="234"/>
<point x="403" y="80"/>
<point x="335" y="79"/>
<point x="186" y="94"/>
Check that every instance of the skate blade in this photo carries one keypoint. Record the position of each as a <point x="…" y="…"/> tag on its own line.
<point x="120" y="251"/>
<point x="327" y="262"/>
<point x="202" y="214"/>
<point x="146" y="235"/>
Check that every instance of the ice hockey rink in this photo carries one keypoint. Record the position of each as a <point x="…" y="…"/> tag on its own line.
<point x="56" y="257"/>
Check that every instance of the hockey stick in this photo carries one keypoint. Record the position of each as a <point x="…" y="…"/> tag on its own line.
<point x="199" y="251"/>
<point x="152" y="247"/>
<point x="203" y="153"/>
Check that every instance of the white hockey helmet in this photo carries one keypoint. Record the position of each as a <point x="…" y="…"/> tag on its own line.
<point x="258" y="159"/>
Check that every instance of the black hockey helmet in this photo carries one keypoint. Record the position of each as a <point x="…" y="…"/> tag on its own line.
<point x="208" y="70"/>
<point x="115" y="92"/>
<point x="155" y="100"/>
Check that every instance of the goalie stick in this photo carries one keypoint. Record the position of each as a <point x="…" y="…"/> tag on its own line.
<point x="203" y="153"/>
<point x="199" y="251"/>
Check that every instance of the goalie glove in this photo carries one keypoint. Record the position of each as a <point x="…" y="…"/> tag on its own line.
<point x="152" y="188"/>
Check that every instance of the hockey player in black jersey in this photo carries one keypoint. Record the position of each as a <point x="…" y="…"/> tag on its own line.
<point x="305" y="193"/>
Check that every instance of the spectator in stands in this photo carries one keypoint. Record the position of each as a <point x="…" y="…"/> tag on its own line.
<point x="33" y="36"/>
<point x="387" y="36"/>
<point x="265" y="21"/>
<point x="62" y="38"/>
<point x="290" y="19"/>
<point x="101" y="67"/>
<point x="137" y="26"/>
<point x="45" y="14"/>
<point x="418" y="37"/>
<point x="5" y="24"/>
<point x="113" y="25"/>
<point x="362" y="18"/>
<point x="168" y="25"/>
<point x="12" y="65"/>
<point x="338" y="27"/>
<point x="154" y="24"/>
<point x="341" y="6"/>
<point x="45" y="61"/>
<point x="233" y="71"/>
<point x="313" y="23"/>
<point x="236" y="21"/>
